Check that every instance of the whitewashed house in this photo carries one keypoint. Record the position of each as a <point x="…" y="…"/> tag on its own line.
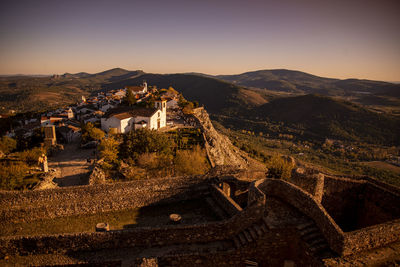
<point x="141" y="90"/>
<point x="126" y="119"/>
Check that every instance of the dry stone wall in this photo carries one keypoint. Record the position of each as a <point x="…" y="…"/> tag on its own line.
<point x="305" y="202"/>
<point x="138" y="237"/>
<point x="30" y="205"/>
<point x="227" y="203"/>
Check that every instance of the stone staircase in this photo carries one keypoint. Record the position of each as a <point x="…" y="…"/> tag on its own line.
<point x="314" y="239"/>
<point x="218" y="210"/>
<point x="250" y="234"/>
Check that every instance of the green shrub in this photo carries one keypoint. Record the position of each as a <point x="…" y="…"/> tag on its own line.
<point x="142" y="141"/>
<point x="12" y="175"/>
<point x="108" y="148"/>
<point x="279" y="168"/>
<point x="7" y="144"/>
<point x="189" y="162"/>
<point x="31" y="156"/>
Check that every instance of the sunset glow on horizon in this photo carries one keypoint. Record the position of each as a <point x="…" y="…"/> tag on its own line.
<point x="340" y="39"/>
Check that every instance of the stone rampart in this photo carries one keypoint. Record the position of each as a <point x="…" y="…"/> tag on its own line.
<point x="30" y="205"/>
<point x="312" y="183"/>
<point x="305" y="202"/>
<point x="344" y="243"/>
<point x="138" y="237"/>
<point x="227" y="203"/>
<point x="371" y="237"/>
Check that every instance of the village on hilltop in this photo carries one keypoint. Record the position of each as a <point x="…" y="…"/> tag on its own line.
<point x="153" y="109"/>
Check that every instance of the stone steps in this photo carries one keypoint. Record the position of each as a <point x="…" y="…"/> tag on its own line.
<point x="314" y="239"/>
<point x="221" y="214"/>
<point x="250" y="234"/>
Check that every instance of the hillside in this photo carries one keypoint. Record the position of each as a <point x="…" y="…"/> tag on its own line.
<point x="216" y="95"/>
<point x="316" y="116"/>
<point x="326" y="117"/>
<point x="301" y="82"/>
<point x="28" y="93"/>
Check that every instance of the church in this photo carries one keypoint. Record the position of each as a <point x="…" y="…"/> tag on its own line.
<point x="125" y="119"/>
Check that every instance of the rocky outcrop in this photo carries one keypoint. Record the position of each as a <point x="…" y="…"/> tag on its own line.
<point x="220" y="150"/>
<point x="97" y="176"/>
<point x="46" y="180"/>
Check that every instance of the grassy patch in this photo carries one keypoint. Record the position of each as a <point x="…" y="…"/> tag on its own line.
<point x="192" y="211"/>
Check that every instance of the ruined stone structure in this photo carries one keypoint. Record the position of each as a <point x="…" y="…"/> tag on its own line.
<point x="311" y="220"/>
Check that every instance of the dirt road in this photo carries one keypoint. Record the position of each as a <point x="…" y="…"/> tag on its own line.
<point x="73" y="166"/>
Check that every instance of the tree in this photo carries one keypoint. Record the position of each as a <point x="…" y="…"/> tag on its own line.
<point x="188" y="108"/>
<point x="279" y="168"/>
<point x="145" y="141"/>
<point x="91" y="133"/>
<point x="7" y="144"/>
<point x="130" y="98"/>
<point x="109" y="149"/>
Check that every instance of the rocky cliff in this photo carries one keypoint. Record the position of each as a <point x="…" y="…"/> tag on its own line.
<point x="220" y="150"/>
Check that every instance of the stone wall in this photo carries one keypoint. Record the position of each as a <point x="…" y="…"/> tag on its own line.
<point x="274" y="248"/>
<point x="305" y="203"/>
<point x="227" y="203"/>
<point x="138" y="237"/>
<point x="30" y="205"/>
<point x="379" y="206"/>
<point x="312" y="183"/>
<point x="371" y="237"/>
<point x="344" y="243"/>
<point x="343" y="199"/>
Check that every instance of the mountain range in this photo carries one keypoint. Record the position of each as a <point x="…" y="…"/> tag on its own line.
<point x="282" y="95"/>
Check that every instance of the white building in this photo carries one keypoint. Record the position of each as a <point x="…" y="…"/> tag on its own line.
<point x="125" y="120"/>
<point x="138" y="89"/>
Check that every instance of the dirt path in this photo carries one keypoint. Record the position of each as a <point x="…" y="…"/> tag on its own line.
<point x="73" y="166"/>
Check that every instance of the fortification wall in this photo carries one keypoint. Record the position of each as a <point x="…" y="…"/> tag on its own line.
<point x="312" y="183"/>
<point x="227" y="203"/>
<point x="272" y="249"/>
<point x="305" y="202"/>
<point x="379" y="206"/>
<point x="371" y="237"/>
<point x="31" y="205"/>
<point x="344" y="243"/>
<point x="138" y="237"/>
<point x="343" y="199"/>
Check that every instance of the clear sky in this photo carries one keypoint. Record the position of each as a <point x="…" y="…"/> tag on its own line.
<point x="332" y="38"/>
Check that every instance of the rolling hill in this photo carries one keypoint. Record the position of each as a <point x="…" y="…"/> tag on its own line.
<point x="301" y="82"/>
<point x="327" y="117"/>
<point x="215" y="95"/>
<point x="234" y="96"/>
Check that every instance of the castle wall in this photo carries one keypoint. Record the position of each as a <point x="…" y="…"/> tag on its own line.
<point x="138" y="237"/>
<point x="343" y="199"/>
<point x="305" y="202"/>
<point x="227" y="203"/>
<point x="371" y="237"/>
<point x="379" y="206"/>
<point x="311" y="183"/>
<point x="31" y="205"/>
<point x="272" y="249"/>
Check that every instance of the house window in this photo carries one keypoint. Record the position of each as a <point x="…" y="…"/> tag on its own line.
<point x="158" y="114"/>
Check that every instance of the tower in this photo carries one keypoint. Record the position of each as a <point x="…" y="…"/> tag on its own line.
<point x="144" y="86"/>
<point x="161" y="105"/>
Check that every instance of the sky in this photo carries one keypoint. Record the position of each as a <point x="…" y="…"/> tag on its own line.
<point x="330" y="38"/>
